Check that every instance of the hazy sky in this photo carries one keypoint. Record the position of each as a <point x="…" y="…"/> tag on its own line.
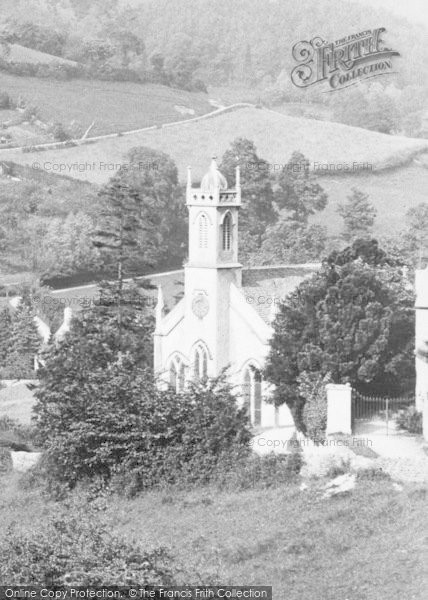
<point x="414" y="10"/>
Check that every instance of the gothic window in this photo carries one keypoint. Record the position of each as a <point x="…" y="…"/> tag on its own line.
<point x="200" y="364"/>
<point x="227" y="232"/>
<point x="252" y="394"/>
<point x="246" y="392"/>
<point x="173" y="376"/>
<point x="177" y="375"/>
<point x="203" y="231"/>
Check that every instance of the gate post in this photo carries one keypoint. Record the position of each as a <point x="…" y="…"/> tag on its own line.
<point x="339" y="408"/>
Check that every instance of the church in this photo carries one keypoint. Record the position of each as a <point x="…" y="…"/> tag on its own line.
<point x="224" y="318"/>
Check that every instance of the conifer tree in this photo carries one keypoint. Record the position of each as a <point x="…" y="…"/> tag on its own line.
<point x="117" y="231"/>
<point x="5" y="334"/>
<point x="25" y="342"/>
<point x="354" y="320"/>
<point x="358" y="215"/>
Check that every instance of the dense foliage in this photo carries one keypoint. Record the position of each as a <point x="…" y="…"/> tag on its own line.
<point x="410" y="420"/>
<point x="76" y="546"/>
<point x="100" y="413"/>
<point x="354" y="320"/>
<point x="256" y="183"/>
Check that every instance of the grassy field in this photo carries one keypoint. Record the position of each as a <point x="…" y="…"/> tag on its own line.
<point x="392" y="192"/>
<point x="20" y="54"/>
<point x="276" y="136"/>
<point x="114" y="106"/>
<point x="370" y="545"/>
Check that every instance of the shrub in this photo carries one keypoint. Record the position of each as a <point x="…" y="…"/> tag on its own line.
<point x="258" y="471"/>
<point x="14" y="435"/>
<point x="312" y="387"/>
<point x="4" y="100"/>
<point x="373" y="474"/>
<point x="59" y="132"/>
<point x="76" y="547"/>
<point x="188" y="438"/>
<point x="409" y="419"/>
<point x="235" y="470"/>
<point x="112" y="419"/>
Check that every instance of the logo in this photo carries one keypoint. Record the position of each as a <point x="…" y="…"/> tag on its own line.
<point x="344" y="62"/>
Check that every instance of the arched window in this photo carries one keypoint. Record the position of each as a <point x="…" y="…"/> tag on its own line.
<point x="173" y="376"/>
<point x="177" y="375"/>
<point x="252" y="394"/>
<point x="200" y="364"/>
<point x="203" y="231"/>
<point x="246" y="392"/>
<point x="227" y="232"/>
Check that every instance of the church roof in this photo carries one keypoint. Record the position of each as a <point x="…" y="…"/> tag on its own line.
<point x="262" y="288"/>
<point x="213" y="179"/>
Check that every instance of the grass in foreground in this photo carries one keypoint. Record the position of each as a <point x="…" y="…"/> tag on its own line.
<point x="370" y="545"/>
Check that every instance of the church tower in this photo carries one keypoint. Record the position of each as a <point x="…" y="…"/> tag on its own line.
<point x="213" y="260"/>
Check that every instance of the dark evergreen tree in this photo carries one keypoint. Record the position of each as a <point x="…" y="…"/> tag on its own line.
<point x="5" y="335"/>
<point x="116" y="234"/>
<point x="358" y="215"/>
<point x="25" y="343"/>
<point x="353" y="321"/>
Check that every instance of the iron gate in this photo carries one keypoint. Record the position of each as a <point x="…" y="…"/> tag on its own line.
<point x="375" y="409"/>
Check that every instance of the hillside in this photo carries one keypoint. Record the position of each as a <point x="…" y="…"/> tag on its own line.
<point x="233" y="42"/>
<point x="276" y="136"/>
<point x="20" y="54"/>
<point x="114" y="106"/>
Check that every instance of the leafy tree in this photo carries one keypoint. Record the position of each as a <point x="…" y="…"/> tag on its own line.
<point x="358" y="215"/>
<point x="257" y="195"/>
<point x="413" y="240"/>
<point x="153" y="176"/>
<point x="353" y="321"/>
<point x="377" y="110"/>
<point x="298" y="191"/>
<point x="291" y="242"/>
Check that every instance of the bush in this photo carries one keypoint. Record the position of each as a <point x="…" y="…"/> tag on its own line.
<point x="258" y="471"/>
<point x="312" y="387"/>
<point x="59" y="132"/>
<point x="373" y="474"/>
<point x="200" y="433"/>
<point x="409" y="419"/>
<point x="14" y="435"/>
<point x="235" y="470"/>
<point x="76" y="547"/>
<point x="113" y="420"/>
<point x="4" y="101"/>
